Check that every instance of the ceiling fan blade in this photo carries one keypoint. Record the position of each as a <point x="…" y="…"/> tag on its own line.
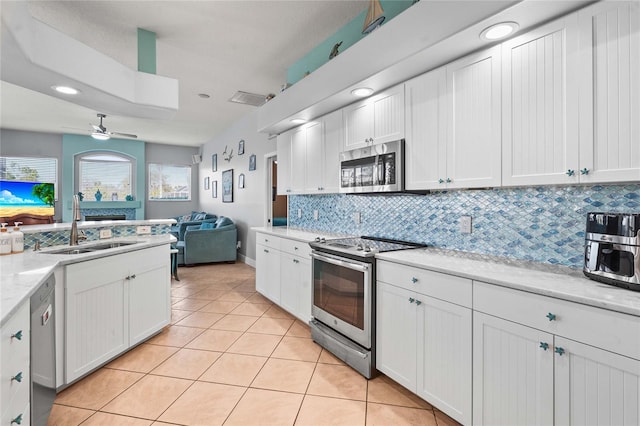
<point x="75" y="128"/>
<point x="126" y="135"/>
<point x="97" y="128"/>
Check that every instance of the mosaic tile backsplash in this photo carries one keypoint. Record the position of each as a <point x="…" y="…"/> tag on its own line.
<point x="541" y="224"/>
<point x="48" y="239"/>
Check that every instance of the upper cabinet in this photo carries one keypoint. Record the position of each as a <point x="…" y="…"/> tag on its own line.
<point x="473" y="121"/>
<point x="309" y="157"/>
<point x="377" y="119"/>
<point x="609" y="92"/>
<point x="540" y="105"/>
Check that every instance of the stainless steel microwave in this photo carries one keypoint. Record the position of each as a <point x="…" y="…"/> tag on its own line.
<point x="375" y="168"/>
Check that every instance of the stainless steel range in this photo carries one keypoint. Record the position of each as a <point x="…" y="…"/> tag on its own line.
<point x="343" y="307"/>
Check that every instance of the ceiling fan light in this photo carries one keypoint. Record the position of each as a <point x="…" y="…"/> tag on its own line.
<point x="100" y="136"/>
<point x="362" y="92"/>
<point x="499" y="31"/>
<point x="66" y="90"/>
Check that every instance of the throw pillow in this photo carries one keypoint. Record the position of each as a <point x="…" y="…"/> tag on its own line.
<point x="223" y="221"/>
<point x="185" y="218"/>
<point x="207" y="225"/>
<point x="200" y="216"/>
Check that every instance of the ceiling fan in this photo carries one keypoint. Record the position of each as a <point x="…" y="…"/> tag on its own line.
<point x="100" y="132"/>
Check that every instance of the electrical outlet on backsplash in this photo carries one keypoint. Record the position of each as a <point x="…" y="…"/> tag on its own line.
<point x="541" y="224"/>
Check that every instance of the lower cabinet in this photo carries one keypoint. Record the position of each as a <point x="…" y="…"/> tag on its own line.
<point x="434" y="334"/>
<point x="295" y="285"/>
<point x="268" y="267"/>
<point x="113" y="303"/>
<point x="15" y="377"/>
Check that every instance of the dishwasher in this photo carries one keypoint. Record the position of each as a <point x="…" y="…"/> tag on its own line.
<point x="43" y="352"/>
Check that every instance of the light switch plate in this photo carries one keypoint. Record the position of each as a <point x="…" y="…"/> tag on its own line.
<point x="315" y="215"/>
<point x="105" y="233"/>
<point x="299" y="213"/>
<point x="465" y="224"/>
<point x="143" y="230"/>
<point x="357" y="218"/>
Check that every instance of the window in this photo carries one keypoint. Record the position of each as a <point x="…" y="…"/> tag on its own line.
<point x="169" y="183"/>
<point x="30" y="169"/>
<point x="107" y="172"/>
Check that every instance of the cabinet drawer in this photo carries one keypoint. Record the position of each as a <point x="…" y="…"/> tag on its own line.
<point x="609" y="330"/>
<point x="442" y="286"/>
<point x="14" y="351"/>
<point x="296" y="248"/>
<point x="268" y="240"/>
<point x="17" y="406"/>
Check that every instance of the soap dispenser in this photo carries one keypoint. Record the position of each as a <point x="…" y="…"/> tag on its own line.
<point x="5" y="240"/>
<point x="17" y="239"/>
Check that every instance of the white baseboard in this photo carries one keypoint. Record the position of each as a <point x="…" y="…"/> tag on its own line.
<point x="244" y="259"/>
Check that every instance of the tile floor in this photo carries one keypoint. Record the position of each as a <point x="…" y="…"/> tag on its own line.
<point x="231" y="357"/>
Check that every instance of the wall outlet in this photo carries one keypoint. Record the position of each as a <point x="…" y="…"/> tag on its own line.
<point x="315" y="215"/>
<point x="143" y="230"/>
<point x="105" y="233"/>
<point x="299" y="213"/>
<point x="239" y="244"/>
<point x="465" y="224"/>
<point x="357" y="218"/>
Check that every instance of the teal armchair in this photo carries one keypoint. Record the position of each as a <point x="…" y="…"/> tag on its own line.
<point x="195" y="218"/>
<point x="209" y="242"/>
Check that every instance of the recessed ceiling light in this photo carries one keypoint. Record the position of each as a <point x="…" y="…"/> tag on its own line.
<point x="65" y="90"/>
<point x="500" y="30"/>
<point x="204" y="95"/>
<point x="100" y="136"/>
<point x="362" y="92"/>
<point x="298" y="120"/>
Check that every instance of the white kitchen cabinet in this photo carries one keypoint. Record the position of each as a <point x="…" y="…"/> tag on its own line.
<point x="295" y="290"/>
<point x="540" y="357"/>
<point x="376" y="119"/>
<point x="474" y="117"/>
<point x="609" y="92"/>
<point x="298" y="160"/>
<point x="329" y="154"/>
<point x="426" y="130"/>
<point x="415" y="312"/>
<point x="268" y="266"/>
<point x="540" y="105"/>
<point x="512" y="373"/>
<point x="15" y="375"/>
<point x="283" y="144"/>
<point x="111" y="304"/>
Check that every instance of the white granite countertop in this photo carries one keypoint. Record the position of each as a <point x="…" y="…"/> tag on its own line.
<point x="53" y="227"/>
<point x="548" y="280"/>
<point x="295" y="234"/>
<point x="22" y="273"/>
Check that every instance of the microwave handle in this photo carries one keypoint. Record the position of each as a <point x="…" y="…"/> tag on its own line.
<point x="592" y="249"/>
<point x="340" y="262"/>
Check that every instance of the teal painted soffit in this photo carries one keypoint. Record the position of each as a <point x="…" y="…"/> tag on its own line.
<point x="146" y="51"/>
<point x="348" y="35"/>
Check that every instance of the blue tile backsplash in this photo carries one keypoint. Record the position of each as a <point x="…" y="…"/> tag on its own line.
<point x="54" y="238"/>
<point x="541" y="224"/>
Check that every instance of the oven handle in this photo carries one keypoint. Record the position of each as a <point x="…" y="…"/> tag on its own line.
<point x="340" y="261"/>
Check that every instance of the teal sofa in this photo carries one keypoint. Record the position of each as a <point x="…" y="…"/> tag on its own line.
<point x="190" y="219"/>
<point x="209" y="242"/>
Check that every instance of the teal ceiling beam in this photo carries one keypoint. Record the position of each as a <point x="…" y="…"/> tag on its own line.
<point x="146" y="51"/>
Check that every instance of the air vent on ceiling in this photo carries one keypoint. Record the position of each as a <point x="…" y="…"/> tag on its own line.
<point x="248" y="98"/>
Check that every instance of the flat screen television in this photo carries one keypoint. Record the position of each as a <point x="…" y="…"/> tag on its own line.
<point x="26" y="198"/>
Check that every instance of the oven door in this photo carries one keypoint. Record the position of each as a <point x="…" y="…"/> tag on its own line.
<point x="342" y="292"/>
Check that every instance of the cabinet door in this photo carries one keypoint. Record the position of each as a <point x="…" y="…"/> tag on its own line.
<point x="610" y="92"/>
<point x="97" y="314"/>
<point x="283" y="143"/>
<point x="473" y="114"/>
<point x="268" y="272"/>
<point x="594" y="386"/>
<point x="298" y="161"/>
<point x="425" y="146"/>
<point x="512" y="373"/>
<point x="295" y="291"/>
<point x="333" y="140"/>
<point x="396" y="334"/>
<point x="149" y="293"/>
<point x="388" y="115"/>
<point x="540" y="105"/>
<point x="358" y="124"/>
<point x="444" y="356"/>
<point x="313" y="157"/>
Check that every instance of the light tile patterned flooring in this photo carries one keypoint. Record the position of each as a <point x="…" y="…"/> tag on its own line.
<point x="231" y="357"/>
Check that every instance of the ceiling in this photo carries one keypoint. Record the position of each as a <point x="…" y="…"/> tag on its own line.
<point x="213" y="47"/>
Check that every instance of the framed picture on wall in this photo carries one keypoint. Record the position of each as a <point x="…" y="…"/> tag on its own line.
<point x="206" y="183"/>
<point x="227" y="186"/>
<point x="252" y="162"/>
<point x="214" y="163"/>
<point x="241" y="147"/>
<point x="241" y="181"/>
<point x="214" y="189"/>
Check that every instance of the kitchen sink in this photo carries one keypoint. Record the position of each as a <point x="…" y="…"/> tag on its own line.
<point x="90" y="248"/>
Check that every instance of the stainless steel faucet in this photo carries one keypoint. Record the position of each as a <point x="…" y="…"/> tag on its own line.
<point x="73" y="238"/>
